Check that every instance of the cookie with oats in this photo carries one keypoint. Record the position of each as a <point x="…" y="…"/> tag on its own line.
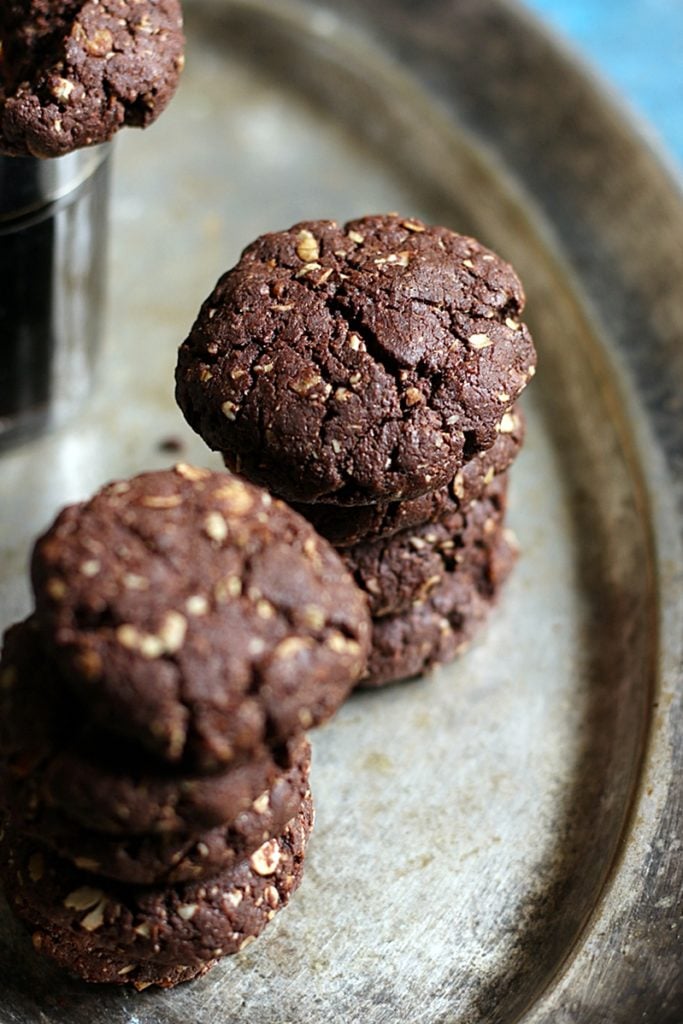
<point x="52" y="758"/>
<point x="72" y="72"/>
<point x="347" y="527"/>
<point x="437" y="630"/>
<point x="357" y="364"/>
<point x="193" y="613"/>
<point x="400" y="571"/>
<point x="170" y="857"/>
<point x="107" y="932"/>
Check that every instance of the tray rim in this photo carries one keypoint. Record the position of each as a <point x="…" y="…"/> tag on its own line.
<point x="568" y="985"/>
<point x="582" y="989"/>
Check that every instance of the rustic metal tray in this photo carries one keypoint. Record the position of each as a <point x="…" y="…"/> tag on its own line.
<point x="501" y="841"/>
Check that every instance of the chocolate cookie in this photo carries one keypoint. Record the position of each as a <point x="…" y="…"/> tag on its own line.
<point x="195" y="614"/>
<point x="345" y="527"/>
<point x="356" y="364"/>
<point x="75" y="71"/>
<point x="398" y="571"/>
<point x="27" y="29"/>
<point x="104" y="931"/>
<point x="51" y="757"/>
<point x="438" y="629"/>
<point x="122" y="796"/>
<point x="171" y="857"/>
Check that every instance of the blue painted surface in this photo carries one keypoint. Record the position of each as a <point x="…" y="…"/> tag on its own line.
<point x="638" y="46"/>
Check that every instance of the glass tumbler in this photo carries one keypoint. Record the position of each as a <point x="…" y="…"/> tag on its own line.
<point x="53" y="242"/>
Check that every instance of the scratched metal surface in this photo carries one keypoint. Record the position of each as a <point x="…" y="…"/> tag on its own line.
<point x="497" y="842"/>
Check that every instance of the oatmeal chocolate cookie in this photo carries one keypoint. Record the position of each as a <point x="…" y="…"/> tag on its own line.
<point x="105" y="931"/>
<point x="437" y="630"/>
<point x="50" y="756"/>
<point x="195" y="614"/>
<point x="346" y="527"/>
<point x="356" y="364"/>
<point x="73" y="72"/>
<point x="169" y="858"/>
<point x="399" y="571"/>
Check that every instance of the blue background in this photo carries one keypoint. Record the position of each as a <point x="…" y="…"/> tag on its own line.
<point x="637" y="45"/>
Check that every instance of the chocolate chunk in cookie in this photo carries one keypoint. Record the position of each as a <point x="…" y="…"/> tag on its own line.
<point x="356" y="364"/>
<point x="346" y="527"/>
<point x="50" y="756"/>
<point x="400" y="571"/>
<point x="73" y="72"/>
<point x="195" y="614"/>
<point x="436" y="630"/>
<point x="104" y="931"/>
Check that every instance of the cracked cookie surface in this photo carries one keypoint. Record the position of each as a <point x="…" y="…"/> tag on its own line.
<point x="73" y="72"/>
<point x="356" y="364"/>
<point x="195" y="614"/>
<point x="107" y="932"/>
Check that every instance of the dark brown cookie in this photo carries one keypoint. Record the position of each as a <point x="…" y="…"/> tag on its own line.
<point x="438" y="629"/>
<point x="346" y="527"/>
<point x="356" y="364"/>
<point x="28" y="30"/>
<point x="51" y="757"/>
<point x="130" y="796"/>
<point x="171" y="857"/>
<point x="75" y="71"/>
<point x="399" y="571"/>
<point x="104" y="931"/>
<point x="197" y="615"/>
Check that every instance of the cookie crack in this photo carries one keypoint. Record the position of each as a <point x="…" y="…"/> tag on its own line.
<point x="355" y="325"/>
<point x="420" y="373"/>
<point x="389" y="363"/>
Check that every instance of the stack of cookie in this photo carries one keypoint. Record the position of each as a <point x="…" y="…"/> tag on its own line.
<point x="153" y="767"/>
<point x="430" y="584"/>
<point x="368" y="374"/>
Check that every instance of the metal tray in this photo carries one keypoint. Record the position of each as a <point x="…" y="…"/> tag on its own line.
<point x="501" y="841"/>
